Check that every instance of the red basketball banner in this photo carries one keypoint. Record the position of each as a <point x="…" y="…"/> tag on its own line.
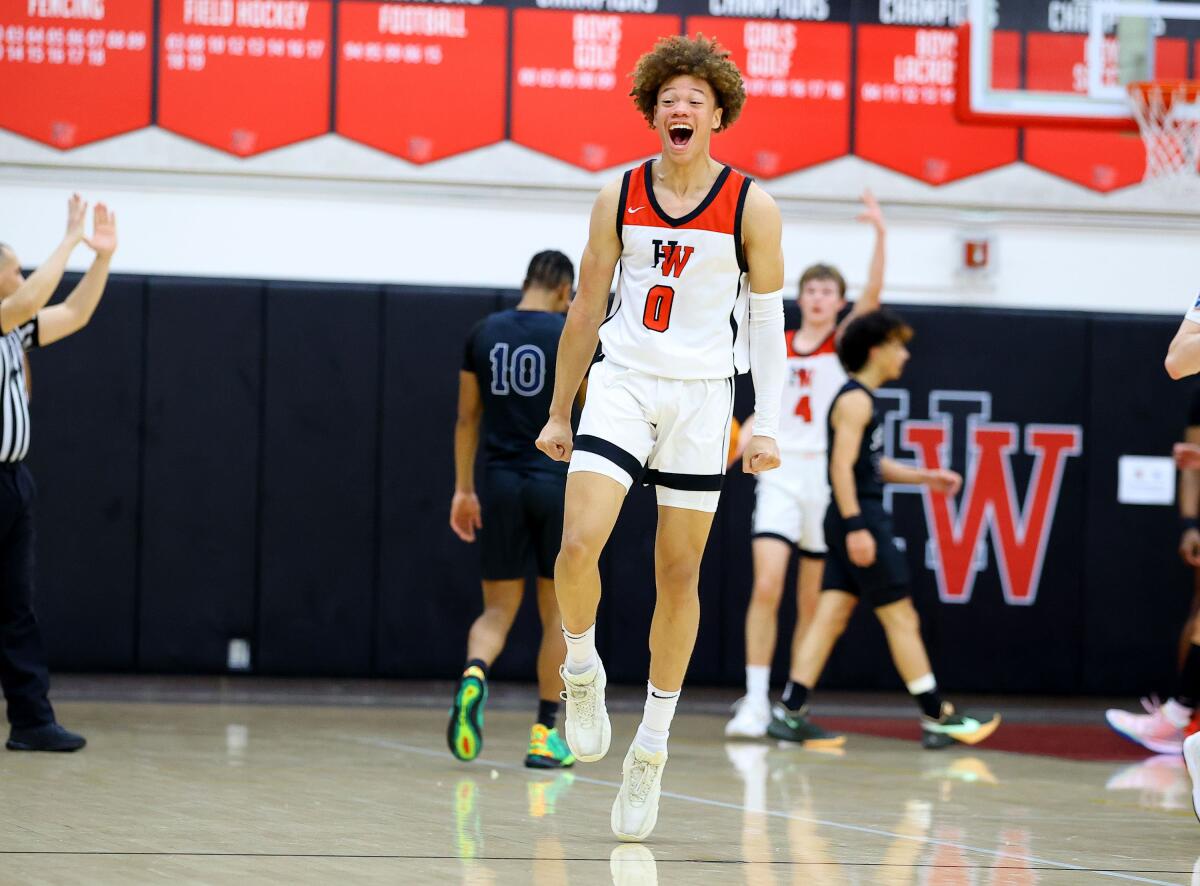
<point x="74" y="73"/>
<point x="570" y="84"/>
<point x="905" y="104"/>
<point x="245" y="76"/>
<point x="797" y="77"/>
<point x="1102" y="161"/>
<point x="405" y="72"/>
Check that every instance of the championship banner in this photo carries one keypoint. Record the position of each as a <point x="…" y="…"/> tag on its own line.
<point x="570" y="84"/>
<point x="421" y="82"/>
<point x="76" y="72"/>
<point x="1055" y="60"/>
<point x="245" y="76"/>
<point x="797" y="77"/>
<point x="904" y="107"/>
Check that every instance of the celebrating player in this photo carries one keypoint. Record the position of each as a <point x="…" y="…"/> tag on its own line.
<point x="790" y="505"/>
<point x="699" y="300"/>
<point x="506" y="382"/>
<point x="863" y="563"/>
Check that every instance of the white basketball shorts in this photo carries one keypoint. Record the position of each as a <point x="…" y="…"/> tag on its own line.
<point x="669" y="433"/>
<point x="790" y="502"/>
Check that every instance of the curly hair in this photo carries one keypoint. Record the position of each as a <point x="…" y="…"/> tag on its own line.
<point x="701" y="58"/>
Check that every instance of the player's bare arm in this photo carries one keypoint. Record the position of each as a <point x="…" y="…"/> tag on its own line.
<point x="76" y="310"/>
<point x="465" y="513"/>
<point x="939" y="480"/>
<point x="581" y="332"/>
<point x="1187" y="457"/>
<point x="872" y="295"/>
<point x="849" y="419"/>
<point x="24" y="304"/>
<point x="762" y="227"/>
<point x="1183" y="356"/>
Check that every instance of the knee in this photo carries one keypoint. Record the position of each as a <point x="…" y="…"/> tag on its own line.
<point x="575" y="555"/>
<point x="767" y="591"/>
<point x="834" y="619"/>
<point x="899" y="617"/>
<point x="499" y="615"/>
<point x="678" y="576"/>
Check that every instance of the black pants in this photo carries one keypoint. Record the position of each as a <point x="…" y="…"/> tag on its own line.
<point x="23" y="672"/>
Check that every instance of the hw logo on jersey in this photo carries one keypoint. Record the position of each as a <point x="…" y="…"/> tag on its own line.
<point x="1018" y="522"/>
<point x="672" y="257"/>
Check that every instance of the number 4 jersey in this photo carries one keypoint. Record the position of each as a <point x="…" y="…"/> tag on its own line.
<point x="512" y="355"/>
<point x="813" y="380"/>
<point x="682" y="295"/>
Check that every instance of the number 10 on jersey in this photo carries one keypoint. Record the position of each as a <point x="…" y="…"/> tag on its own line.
<point x="658" y="308"/>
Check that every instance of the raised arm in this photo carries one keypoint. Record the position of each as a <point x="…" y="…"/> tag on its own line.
<point x="581" y="333"/>
<point x="762" y="228"/>
<point x="24" y="304"/>
<point x="465" y="512"/>
<point x="871" y="296"/>
<point x="74" y="312"/>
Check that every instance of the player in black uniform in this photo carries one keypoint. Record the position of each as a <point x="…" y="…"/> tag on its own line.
<point x="863" y="562"/>
<point x="507" y="382"/>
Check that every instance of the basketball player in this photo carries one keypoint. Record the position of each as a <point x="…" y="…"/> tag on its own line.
<point x="506" y="382"/>
<point x="863" y="563"/>
<point x="699" y="299"/>
<point x="1162" y="730"/>
<point x="26" y="323"/>
<point x="790" y="505"/>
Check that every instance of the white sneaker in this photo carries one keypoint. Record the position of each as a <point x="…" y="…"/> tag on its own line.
<point x="585" y="721"/>
<point x="752" y="716"/>
<point x="635" y="811"/>
<point x="1191" y="756"/>
<point x="1152" y="731"/>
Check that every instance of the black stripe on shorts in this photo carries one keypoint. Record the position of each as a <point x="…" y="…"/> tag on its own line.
<point x="611" y="451"/>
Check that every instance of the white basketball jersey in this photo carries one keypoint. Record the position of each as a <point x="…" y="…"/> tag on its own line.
<point x="682" y="295"/>
<point x="813" y="380"/>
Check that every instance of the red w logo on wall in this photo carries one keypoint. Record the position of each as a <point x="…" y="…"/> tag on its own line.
<point x="1019" y="522"/>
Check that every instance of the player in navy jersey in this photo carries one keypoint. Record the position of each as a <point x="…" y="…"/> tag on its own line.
<point x="863" y="563"/>
<point x="505" y="386"/>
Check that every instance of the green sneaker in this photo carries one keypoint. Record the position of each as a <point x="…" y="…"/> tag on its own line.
<point x="465" y="733"/>
<point x="953" y="727"/>
<point x="794" y="726"/>
<point x="547" y="750"/>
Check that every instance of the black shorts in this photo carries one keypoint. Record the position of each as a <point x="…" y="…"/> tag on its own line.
<point x="882" y="583"/>
<point x="522" y="511"/>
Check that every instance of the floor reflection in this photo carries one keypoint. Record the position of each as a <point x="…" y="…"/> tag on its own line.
<point x="633" y="864"/>
<point x="1160" y="782"/>
<point x="776" y="780"/>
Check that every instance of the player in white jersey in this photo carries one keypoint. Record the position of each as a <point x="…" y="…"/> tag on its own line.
<point x="790" y="503"/>
<point x="699" y="299"/>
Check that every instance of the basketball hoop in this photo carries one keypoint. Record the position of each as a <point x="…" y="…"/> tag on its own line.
<point x="1168" y="114"/>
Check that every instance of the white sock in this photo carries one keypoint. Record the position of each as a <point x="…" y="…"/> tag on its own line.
<point x="1178" y="715"/>
<point x="656" y="719"/>
<point x="758" y="681"/>
<point x="581" y="650"/>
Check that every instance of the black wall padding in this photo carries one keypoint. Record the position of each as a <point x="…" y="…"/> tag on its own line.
<point x="86" y="411"/>
<point x="203" y="398"/>
<point x="1138" y="590"/>
<point x="319" y="479"/>
<point x="429" y="579"/>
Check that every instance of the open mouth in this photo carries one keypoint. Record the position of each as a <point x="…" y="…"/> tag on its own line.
<point x="680" y="134"/>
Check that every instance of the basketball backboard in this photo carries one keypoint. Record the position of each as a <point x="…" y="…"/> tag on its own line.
<point x="1067" y="64"/>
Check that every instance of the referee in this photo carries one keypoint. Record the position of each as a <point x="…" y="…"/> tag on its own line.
<point x="25" y="322"/>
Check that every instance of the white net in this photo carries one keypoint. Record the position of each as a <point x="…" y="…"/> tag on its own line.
<point x="1168" y="114"/>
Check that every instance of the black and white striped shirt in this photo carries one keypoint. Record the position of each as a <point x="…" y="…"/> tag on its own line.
<point x="14" y="397"/>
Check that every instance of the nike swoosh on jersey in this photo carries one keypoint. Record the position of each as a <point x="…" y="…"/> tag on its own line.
<point x="631" y="210"/>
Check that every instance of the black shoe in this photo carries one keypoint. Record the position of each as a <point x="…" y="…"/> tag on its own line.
<point x="794" y="726"/>
<point x="50" y="737"/>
